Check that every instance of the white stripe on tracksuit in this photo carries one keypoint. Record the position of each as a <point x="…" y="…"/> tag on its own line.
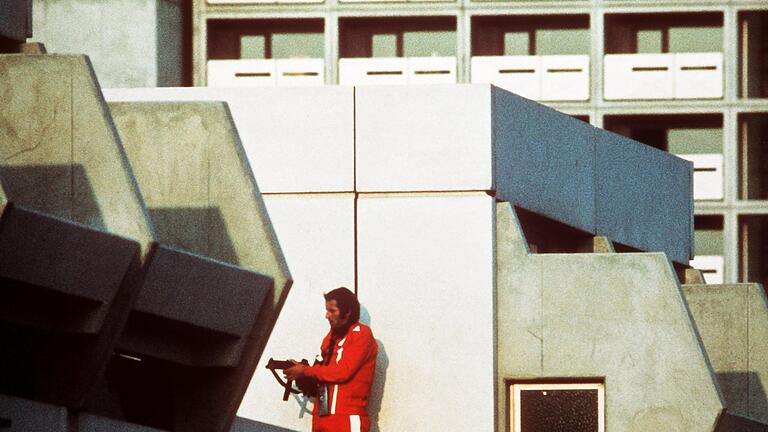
<point x="354" y="423"/>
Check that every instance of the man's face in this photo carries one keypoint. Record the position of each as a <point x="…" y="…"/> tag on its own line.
<point x="333" y="315"/>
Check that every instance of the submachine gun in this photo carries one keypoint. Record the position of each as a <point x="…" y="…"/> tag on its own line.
<point x="307" y="386"/>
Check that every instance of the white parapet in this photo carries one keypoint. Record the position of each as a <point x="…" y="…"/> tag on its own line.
<point x="519" y="74"/>
<point x="699" y="76"/>
<point x="711" y="266"/>
<point x="663" y="76"/>
<point x="266" y="72"/>
<point x="241" y="73"/>
<point x="707" y="175"/>
<point x="397" y="70"/>
<point x="565" y="78"/>
<point x="639" y="76"/>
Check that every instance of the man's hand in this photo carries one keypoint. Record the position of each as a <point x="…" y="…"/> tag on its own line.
<point x="294" y="372"/>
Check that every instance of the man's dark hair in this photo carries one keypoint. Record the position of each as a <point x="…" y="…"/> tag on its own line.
<point x="347" y="303"/>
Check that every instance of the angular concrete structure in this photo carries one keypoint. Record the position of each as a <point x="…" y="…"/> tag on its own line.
<point x="619" y="319"/>
<point x="69" y="207"/>
<point x="733" y="322"/>
<point x="218" y="280"/>
<point x="417" y="227"/>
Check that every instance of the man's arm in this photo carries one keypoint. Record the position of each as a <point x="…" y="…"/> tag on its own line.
<point x="351" y="356"/>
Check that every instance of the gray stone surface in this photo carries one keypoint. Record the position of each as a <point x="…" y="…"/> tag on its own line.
<point x="617" y="318"/>
<point x="644" y="197"/>
<point x="15" y="19"/>
<point x="59" y="153"/>
<point x="132" y="43"/>
<point x="733" y="322"/>
<point x="189" y="290"/>
<point x="68" y="181"/>
<point x="202" y="197"/>
<point x="64" y="258"/>
<point x="26" y="415"/>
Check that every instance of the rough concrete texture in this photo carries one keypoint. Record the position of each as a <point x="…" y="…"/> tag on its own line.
<point x="480" y="137"/>
<point x="733" y="322"/>
<point x="60" y="154"/>
<point x="202" y="196"/>
<point x="141" y="49"/>
<point x="68" y="181"/>
<point x="26" y="415"/>
<point x="617" y="318"/>
<point x="316" y="157"/>
<point x="198" y="185"/>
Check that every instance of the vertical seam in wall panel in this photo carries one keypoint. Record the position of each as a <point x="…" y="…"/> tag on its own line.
<point x="749" y="350"/>
<point x="354" y="182"/>
<point x="541" y="316"/>
<point x="72" y="148"/>
<point x="208" y="199"/>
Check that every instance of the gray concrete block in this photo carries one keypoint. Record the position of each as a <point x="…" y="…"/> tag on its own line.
<point x="59" y="153"/>
<point x="63" y="260"/>
<point x="644" y="197"/>
<point x="198" y="185"/>
<point x="544" y="160"/>
<point x="26" y="415"/>
<point x="732" y="320"/>
<point x="195" y="293"/>
<point x="65" y="173"/>
<point x="616" y="318"/>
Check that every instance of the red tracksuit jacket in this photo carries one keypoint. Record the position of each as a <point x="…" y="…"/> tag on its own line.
<point x="349" y="374"/>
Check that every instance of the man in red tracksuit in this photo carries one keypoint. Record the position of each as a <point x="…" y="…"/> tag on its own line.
<point x="347" y="368"/>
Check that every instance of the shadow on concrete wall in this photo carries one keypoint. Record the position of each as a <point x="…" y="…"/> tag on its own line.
<point x="200" y="230"/>
<point x="743" y="391"/>
<point x="380" y="379"/>
<point x="58" y="190"/>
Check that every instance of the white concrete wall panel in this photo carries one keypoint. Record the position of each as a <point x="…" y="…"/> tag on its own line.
<point x="565" y="78"/>
<point x="300" y="72"/>
<point x="426" y="275"/>
<point x="423" y="138"/>
<point x="639" y="76"/>
<point x="317" y="235"/>
<point x="431" y="70"/>
<point x="297" y="139"/>
<point x="373" y="71"/>
<point x="518" y="74"/>
<point x="241" y="73"/>
<point x="699" y="75"/>
<point x="707" y="175"/>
